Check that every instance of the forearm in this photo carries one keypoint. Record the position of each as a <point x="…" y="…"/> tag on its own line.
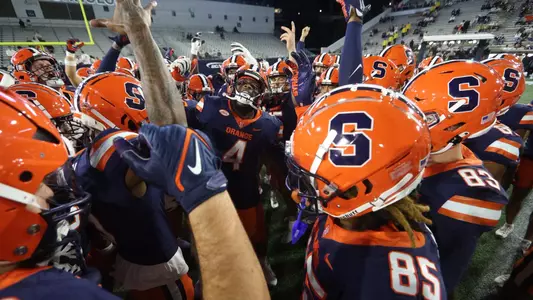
<point x="163" y="99"/>
<point x="232" y="271"/>
<point x="70" y="70"/>
<point x="300" y="45"/>
<point x="351" y="64"/>
<point x="109" y="62"/>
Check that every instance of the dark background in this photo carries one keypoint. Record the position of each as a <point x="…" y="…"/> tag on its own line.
<point x="326" y="27"/>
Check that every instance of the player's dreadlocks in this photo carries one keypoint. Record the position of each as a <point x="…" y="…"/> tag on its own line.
<point x="404" y="213"/>
<point x="407" y="210"/>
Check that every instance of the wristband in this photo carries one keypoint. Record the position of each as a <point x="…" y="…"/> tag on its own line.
<point x="70" y="54"/>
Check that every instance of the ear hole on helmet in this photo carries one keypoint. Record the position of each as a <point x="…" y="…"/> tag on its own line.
<point x="25" y="176"/>
<point x="368" y="186"/>
<point x="132" y="126"/>
<point x="349" y="193"/>
<point x="455" y="127"/>
<point x="45" y="136"/>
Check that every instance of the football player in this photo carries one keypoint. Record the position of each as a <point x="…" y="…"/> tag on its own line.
<point x="36" y="205"/>
<point x="228" y="69"/>
<point x="404" y="58"/>
<point x="499" y="148"/>
<point x="381" y="71"/>
<point x="241" y="133"/>
<point x="199" y="86"/>
<point x="149" y="259"/>
<point x="460" y="100"/>
<point x="321" y="63"/>
<point x="328" y="81"/>
<point x="343" y="158"/>
<point x="519" y="118"/>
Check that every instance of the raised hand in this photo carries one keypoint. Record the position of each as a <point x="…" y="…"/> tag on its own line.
<point x="353" y="8"/>
<point x="239" y="49"/>
<point x="305" y="33"/>
<point x="289" y="37"/>
<point x="74" y="45"/>
<point x="127" y="15"/>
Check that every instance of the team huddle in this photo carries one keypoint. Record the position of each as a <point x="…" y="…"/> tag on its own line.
<point x="398" y="167"/>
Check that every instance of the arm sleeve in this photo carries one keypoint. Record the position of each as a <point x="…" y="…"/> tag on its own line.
<point x="109" y="62"/>
<point x="351" y="65"/>
<point x="300" y="46"/>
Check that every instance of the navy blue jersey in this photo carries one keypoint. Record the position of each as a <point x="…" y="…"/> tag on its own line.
<point x="528" y="148"/>
<point x="240" y="142"/>
<point x="465" y="201"/>
<point x="519" y="116"/>
<point x="49" y="284"/>
<point x="283" y="109"/>
<point x="500" y="145"/>
<point x="139" y="225"/>
<point x="381" y="264"/>
<point x="223" y="89"/>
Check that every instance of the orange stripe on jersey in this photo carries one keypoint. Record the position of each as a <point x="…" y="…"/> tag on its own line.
<point x="200" y="105"/>
<point x="472" y="210"/>
<point x="476" y="202"/>
<point x="98" y="159"/>
<point x="13" y="277"/>
<point x="182" y="160"/>
<point x="505" y="147"/>
<point x="385" y="237"/>
<point x="188" y="287"/>
<point x="527" y="119"/>
<point x="102" y="140"/>
<point x="244" y="122"/>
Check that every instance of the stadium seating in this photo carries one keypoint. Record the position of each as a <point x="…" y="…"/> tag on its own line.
<point x="261" y="45"/>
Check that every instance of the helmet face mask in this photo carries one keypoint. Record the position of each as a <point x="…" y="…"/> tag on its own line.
<point x="46" y="72"/>
<point x="278" y="84"/>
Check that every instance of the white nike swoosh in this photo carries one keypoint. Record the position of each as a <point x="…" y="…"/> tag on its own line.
<point x="358" y="67"/>
<point x="198" y="166"/>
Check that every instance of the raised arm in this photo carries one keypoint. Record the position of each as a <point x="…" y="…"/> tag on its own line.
<point x="73" y="45"/>
<point x="351" y="65"/>
<point x="163" y="100"/>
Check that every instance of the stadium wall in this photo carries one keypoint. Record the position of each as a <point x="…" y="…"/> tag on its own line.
<point x="187" y="14"/>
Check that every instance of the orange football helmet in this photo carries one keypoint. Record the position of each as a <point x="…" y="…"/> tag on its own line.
<point x="96" y="64"/>
<point x="404" y="58"/>
<point x="381" y="71"/>
<point x="32" y="65"/>
<point x="37" y="188"/>
<point x="328" y="80"/>
<point x="429" y="62"/>
<point x="57" y="108"/>
<point x="113" y="99"/>
<point x="126" y="63"/>
<point x="85" y="72"/>
<point x="460" y="99"/>
<point x="336" y="60"/>
<point x="249" y="86"/>
<point x="345" y="157"/>
<point x="230" y="66"/>
<point x="322" y="62"/>
<point x="512" y="58"/>
<point x="278" y="80"/>
<point x="198" y="86"/>
<point x="6" y="79"/>
<point x="514" y="81"/>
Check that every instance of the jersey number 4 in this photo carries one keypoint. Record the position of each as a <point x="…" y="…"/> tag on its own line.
<point x="404" y="277"/>
<point x="235" y="154"/>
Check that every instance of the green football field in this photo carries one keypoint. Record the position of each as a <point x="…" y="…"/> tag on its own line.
<point x="493" y="256"/>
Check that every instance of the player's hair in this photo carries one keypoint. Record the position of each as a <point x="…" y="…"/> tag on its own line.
<point x="407" y="210"/>
<point x="405" y="213"/>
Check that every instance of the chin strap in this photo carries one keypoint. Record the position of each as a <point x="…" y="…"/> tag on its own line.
<point x="242" y="98"/>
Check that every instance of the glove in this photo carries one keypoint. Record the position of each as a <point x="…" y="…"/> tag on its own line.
<point x="74" y="45"/>
<point x="196" y="43"/>
<point x="168" y="53"/>
<point x="303" y="79"/>
<point x="238" y="49"/>
<point x="358" y="5"/>
<point x="121" y="40"/>
<point x="181" y="68"/>
<point x="179" y="160"/>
